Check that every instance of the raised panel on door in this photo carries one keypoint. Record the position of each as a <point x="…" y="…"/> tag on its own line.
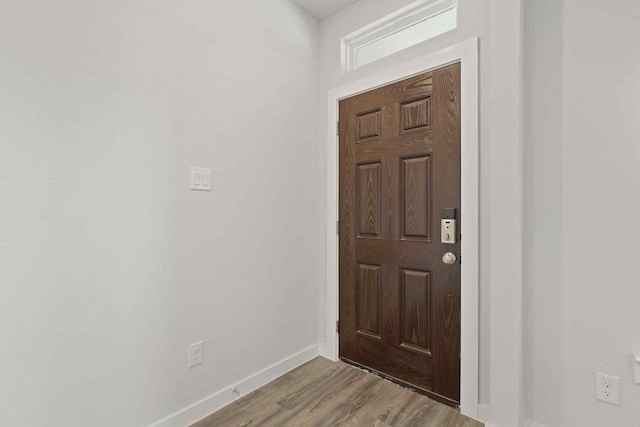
<point x="368" y="126"/>
<point x="415" y="115"/>
<point x="416" y="198"/>
<point x="415" y="307"/>
<point x="368" y="198"/>
<point x="368" y="300"/>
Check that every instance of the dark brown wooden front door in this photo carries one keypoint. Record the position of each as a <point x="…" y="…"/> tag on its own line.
<point x="399" y="174"/>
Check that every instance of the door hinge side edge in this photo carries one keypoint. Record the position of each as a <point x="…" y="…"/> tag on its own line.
<point x="338" y="127"/>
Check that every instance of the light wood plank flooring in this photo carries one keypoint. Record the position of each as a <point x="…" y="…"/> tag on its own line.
<point x="322" y="393"/>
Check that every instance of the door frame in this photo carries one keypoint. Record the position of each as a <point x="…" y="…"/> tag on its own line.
<point x="466" y="53"/>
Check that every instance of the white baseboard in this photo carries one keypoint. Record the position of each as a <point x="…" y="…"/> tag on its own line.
<point x="322" y="349"/>
<point x="325" y="353"/>
<point x="526" y="424"/>
<point x="205" y="407"/>
<point x="483" y="413"/>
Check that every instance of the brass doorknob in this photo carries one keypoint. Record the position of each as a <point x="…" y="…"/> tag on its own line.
<point x="449" y="258"/>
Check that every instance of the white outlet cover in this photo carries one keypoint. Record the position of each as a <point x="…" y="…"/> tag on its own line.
<point x="194" y="356"/>
<point x="608" y="388"/>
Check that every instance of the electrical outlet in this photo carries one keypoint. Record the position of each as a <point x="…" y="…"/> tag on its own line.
<point x="195" y="354"/>
<point x="608" y="388"/>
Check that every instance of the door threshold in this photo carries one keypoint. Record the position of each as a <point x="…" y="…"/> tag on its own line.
<point x="404" y="384"/>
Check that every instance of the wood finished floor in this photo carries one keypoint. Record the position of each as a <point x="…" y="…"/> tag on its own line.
<point x="322" y="393"/>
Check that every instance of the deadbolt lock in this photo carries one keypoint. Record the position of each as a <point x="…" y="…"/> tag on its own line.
<point x="448" y="226"/>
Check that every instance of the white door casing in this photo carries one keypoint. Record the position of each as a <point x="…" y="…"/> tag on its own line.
<point x="466" y="53"/>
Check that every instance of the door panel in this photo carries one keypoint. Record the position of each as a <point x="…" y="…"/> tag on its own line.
<point x="416" y="198"/>
<point x="399" y="168"/>
<point x="415" y="288"/>
<point x="368" y="300"/>
<point x="369" y="200"/>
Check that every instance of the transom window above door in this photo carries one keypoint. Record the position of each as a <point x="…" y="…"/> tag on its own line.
<point x="400" y="30"/>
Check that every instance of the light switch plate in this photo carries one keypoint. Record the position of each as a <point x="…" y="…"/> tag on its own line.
<point x="200" y="179"/>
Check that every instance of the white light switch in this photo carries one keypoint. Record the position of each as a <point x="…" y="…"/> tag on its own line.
<point x="200" y="179"/>
<point x="206" y="179"/>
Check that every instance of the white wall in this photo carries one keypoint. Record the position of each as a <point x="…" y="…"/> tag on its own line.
<point x="543" y="211"/>
<point x="583" y="126"/>
<point x="110" y="266"/>
<point x="600" y="179"/>
<point x="543" y="204"/>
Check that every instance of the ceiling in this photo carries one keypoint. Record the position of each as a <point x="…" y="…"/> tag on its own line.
<point x="323" y="8"/>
